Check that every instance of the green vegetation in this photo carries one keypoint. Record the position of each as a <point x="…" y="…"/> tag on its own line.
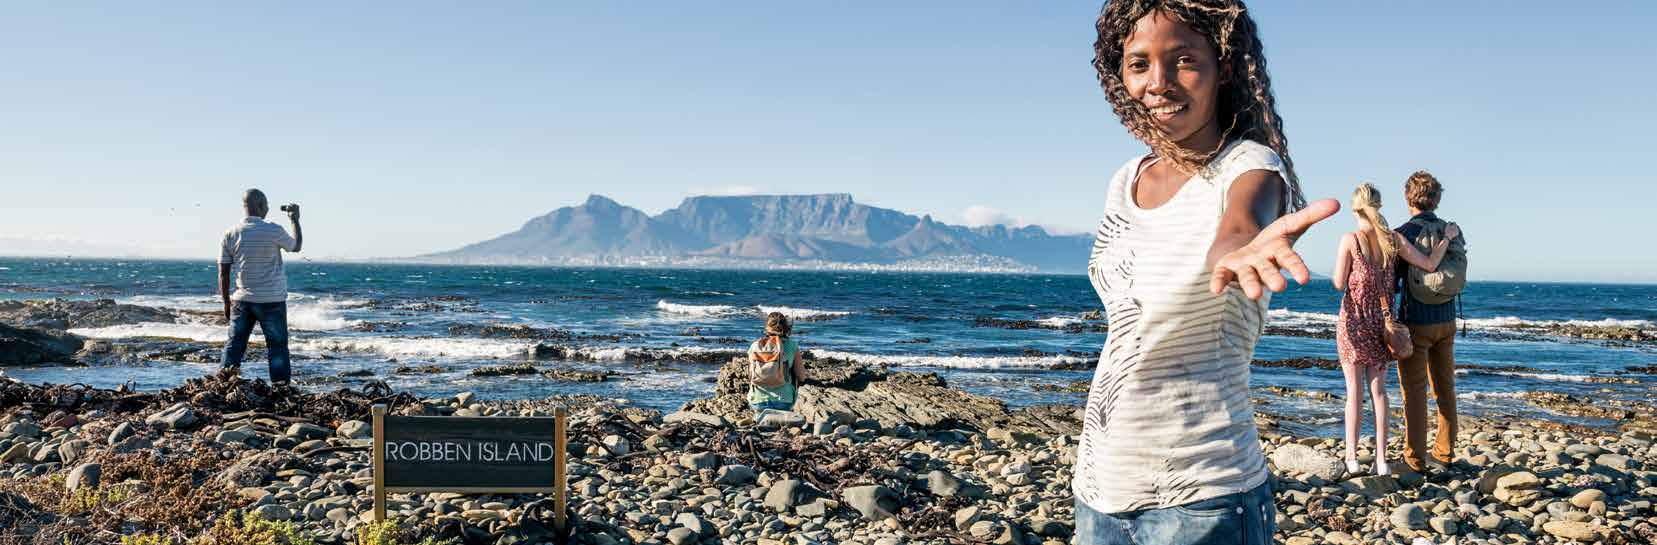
<point x="237" y="528"/>
<point x="388" y="533"/>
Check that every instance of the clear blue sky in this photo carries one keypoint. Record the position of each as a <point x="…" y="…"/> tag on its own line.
<point x="412" y="127"/>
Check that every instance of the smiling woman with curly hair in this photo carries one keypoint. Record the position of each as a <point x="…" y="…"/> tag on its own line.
<point x="1194" y="237"/>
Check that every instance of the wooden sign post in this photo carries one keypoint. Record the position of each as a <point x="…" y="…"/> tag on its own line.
<point x="471" y="455"/>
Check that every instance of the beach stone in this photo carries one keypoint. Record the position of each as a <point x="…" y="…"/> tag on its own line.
<point x="1051" y="528"/>
<point x="121" y="431"/>
<point x="1580" y="531"/>
<point x="465" y="398"/>
<point x="1615" y="461"/>
<point x="83" y="476"/>
<point x="355" y="429"/>
<point x="235" y="436"/>
<point x="875" y="502"/>
<point x="1409" y="516"/>
<point x="695" y="524"/>
<point x="784" y="495"/>
<point x="70" y="451"/>
<point x="1443" y="525"/>
<point x="616" y="445"/>
<point x="735" y="474"/>
<point x="984" y="530"/>
<point x="17" y="452"/>
<point x="273" y="512"/>
<point x="965" y="517"/>
<point x="774" y="419"/>
<point x="179" y="416"/>
<point x="1518" y="489"/>
<point x="1488" y="478"/>
<point x="681" y="536"/>
<point x="1583" y="451"/>
<point x="942" y="483"/>
<point x="1371" y="486"/>
<point x="1586" y="498"/>
<point x="1488" y="522"/>
<point x="306" y="431"/>
<point x="1298" y="458"/>
<point x="693" y="416"/>
<point x="699" y="461"/>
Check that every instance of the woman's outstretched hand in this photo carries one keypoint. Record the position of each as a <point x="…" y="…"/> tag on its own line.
<point x="1263" y="260"/>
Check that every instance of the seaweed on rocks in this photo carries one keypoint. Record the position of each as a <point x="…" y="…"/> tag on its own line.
<point x="1313" y="333"/>
<point x="514" y="331"/>
<point x="1300" y="363"/>
<point x="1072" y="327"/>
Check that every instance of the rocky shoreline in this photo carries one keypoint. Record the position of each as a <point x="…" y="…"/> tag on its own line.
<point x="878" y="458"/>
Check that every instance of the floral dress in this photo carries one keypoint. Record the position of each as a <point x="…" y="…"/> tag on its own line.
<point x="1360" y="333"/>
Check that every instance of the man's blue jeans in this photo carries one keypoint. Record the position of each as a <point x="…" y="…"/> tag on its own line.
<point x="273" y="321"/>
<point x="1247" y="518"/>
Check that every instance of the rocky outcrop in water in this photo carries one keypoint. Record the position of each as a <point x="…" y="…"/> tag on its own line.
<point x="843" y="391"/>
<point x="20" y="346"/>
<point x="61" y="314"/>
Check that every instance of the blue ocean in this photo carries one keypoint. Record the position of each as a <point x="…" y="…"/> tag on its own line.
<point x="1020" y="338"/>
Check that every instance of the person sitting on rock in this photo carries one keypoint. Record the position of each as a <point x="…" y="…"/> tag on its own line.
<point x="774" y="367"/>
<point x="253" y="248"/>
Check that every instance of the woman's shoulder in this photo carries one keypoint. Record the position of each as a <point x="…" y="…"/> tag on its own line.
<point x="1246" y="155"/>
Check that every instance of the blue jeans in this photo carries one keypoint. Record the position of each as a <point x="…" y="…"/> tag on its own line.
<point x="773" y="405"/>
<point x="273" y="320"/>
<point x="1246" y="518"/>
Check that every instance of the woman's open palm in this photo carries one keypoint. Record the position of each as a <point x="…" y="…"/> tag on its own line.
<point x="1263" y="260"/>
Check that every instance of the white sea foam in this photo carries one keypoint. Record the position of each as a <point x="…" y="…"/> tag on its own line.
<point x="192" y="331"/>
<point x="1059" y="321"/>
<point x="406" y="347"/>
<point x="1554" y="377"/>
<point x="696" y="310"/>
<point x="305" y="312"/>
<point x="803" y="313"/>
<point x="1290" y="318"/>
<point x="724" y="311"/>
<point x="957" y="362"/>
<point x="1511" y="322"/>
<point x="1492" y="395"/>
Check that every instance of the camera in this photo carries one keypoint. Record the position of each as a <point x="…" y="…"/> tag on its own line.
<point x="287" y="207"/>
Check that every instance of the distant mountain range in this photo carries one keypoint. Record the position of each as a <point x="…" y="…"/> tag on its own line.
<point x="803" y="231"/>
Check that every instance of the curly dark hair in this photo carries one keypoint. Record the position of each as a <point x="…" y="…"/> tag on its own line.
<point x="1246" y="104"/>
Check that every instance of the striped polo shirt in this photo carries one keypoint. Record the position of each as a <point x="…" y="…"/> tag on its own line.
<point x="253" y="248"/>
<point x="1168" y="420"/>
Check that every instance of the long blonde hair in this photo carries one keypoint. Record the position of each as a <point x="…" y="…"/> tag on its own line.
<point x="1366" y="202"/>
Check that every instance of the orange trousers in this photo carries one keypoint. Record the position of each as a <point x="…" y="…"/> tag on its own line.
<point x="1432" y="365"/>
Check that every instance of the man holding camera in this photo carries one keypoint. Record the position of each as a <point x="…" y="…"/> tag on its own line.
<point x="254" y="249"/>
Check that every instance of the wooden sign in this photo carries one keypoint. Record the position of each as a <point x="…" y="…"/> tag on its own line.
<point x="470" y="455"/>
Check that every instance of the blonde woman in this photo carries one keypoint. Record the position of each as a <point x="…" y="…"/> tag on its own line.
<point x="1364" y="270"/>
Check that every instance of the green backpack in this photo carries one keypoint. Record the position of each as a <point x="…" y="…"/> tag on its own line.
<point x="1444" y="284"/>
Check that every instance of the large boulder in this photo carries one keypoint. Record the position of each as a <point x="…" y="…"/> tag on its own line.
<point x="1298" y="458"/>
<point x="850" y="391"/>
<point x="20" y="346"/>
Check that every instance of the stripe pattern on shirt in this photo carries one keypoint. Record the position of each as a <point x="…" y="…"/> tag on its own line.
<point x="253" y="248"/>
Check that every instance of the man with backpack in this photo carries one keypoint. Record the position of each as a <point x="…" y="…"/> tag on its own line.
<point x="774" y="367"/>
<point x="1428" y="306"/>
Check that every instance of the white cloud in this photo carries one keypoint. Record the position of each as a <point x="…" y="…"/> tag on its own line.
<point x="979" y="215"/>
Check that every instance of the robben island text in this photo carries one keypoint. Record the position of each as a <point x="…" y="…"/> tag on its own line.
<point x="469" y="451"/>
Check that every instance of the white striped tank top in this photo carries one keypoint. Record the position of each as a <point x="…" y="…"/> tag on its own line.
<point x="1169" y="421"/>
